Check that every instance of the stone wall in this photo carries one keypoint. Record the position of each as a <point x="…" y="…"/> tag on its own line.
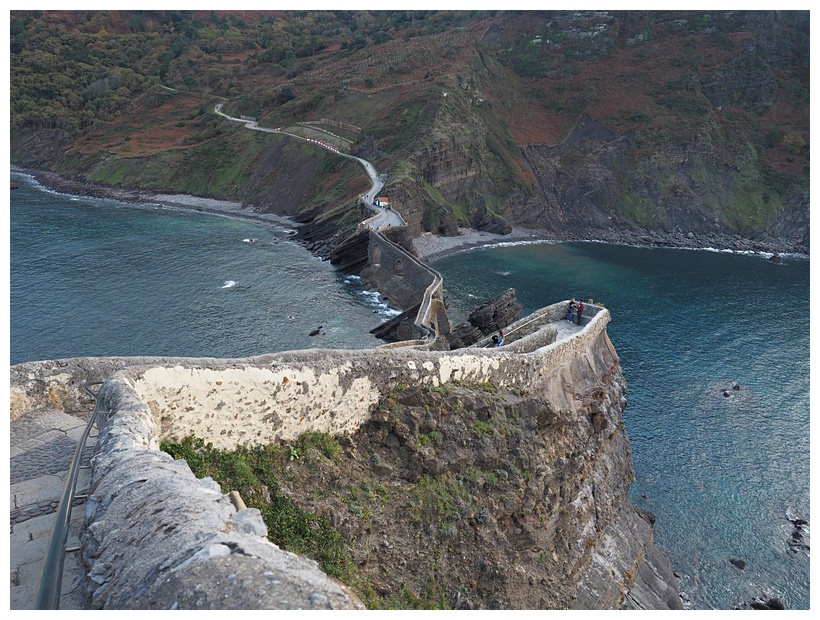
<point x="188" y="546"/>
<point x="281" y="396"/>
<point x="159" y="538"/>
<point x="401" y="278"/>
<point x="265" y="398"/>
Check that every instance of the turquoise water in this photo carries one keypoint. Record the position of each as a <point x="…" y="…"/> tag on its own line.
<point x="94" y="277"/>
<point x="723" y="475"/>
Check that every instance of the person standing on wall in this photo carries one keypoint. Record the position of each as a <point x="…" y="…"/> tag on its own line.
<point x="579" y="311"/>
<point x="571" y="310"/>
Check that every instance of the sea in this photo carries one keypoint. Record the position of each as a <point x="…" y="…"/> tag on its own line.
<point x="725" y="471"/>
<point x="94" y="277"/>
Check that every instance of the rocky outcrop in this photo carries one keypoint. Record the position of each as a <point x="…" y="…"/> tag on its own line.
<point x="490" y="316"/>
<point x="477" y="479"/>
<point x="326" y="233"/>
<point x="497" y="313"/>
<point x="350" y="255"/>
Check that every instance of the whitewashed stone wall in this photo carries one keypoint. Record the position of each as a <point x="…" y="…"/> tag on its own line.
<point x="259" y="400"/>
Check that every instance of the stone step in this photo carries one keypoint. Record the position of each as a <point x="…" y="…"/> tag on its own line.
<point x="43" y="442"/>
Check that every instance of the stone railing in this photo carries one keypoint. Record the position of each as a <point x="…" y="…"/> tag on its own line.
<point x="281" y="396"/>
<point x="159" y="538"/>
<point x="516" y="334"/>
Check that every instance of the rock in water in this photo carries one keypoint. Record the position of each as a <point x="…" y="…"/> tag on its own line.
<point x="490" y="316"/>
<point x="497" y="313"/>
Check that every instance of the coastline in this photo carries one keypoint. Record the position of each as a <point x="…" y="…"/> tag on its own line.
<point x="430" y="247"/>
<point x="214" y="206"/>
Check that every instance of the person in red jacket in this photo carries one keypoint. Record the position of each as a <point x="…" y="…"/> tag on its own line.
<point x="579" y="312"/>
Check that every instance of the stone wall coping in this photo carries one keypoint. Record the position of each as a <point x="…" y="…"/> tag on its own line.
<point x="201" y="553"/>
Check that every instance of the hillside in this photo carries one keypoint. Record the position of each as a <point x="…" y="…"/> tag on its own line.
<point x="579" y="124"/>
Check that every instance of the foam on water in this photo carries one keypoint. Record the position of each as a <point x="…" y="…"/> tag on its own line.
<point x="84" y="293"/>
<point x="373" y="299"/>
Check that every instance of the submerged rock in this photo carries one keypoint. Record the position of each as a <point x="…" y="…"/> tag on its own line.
<point x="737" y="562"/>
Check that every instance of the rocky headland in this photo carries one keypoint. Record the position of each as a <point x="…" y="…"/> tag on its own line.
<point x="471" y="479"/>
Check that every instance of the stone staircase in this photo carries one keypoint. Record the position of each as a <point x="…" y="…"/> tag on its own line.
<point x="42" y="444"/>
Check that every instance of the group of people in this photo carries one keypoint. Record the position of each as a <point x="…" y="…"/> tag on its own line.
<point x="576" y="311"/>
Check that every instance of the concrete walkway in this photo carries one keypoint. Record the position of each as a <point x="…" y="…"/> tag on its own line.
<point x="42" y="444"/>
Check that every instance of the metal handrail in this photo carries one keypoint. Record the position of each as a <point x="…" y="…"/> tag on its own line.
<point x="48" y="596"/>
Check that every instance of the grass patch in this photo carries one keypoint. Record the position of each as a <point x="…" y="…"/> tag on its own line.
<point x="437" y="500"/>
<point x="254" y="473"/>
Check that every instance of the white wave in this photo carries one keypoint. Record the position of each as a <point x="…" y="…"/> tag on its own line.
<point x="229" y="284"/>
<point x="372" y="296"/>
<point x="385" y="310"/>
<point x="510" y="244"/>
<point x="379" y="307"/>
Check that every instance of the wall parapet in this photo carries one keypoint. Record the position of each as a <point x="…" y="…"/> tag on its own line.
<point x="281" y="396"/>
<point x="206" y="555"/>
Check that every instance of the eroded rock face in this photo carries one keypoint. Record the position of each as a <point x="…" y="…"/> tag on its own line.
<point x="489" y="479"/>
<point x="497" y="312"/>
<point x="490" y="316"/>
<point x="473" y="497"/>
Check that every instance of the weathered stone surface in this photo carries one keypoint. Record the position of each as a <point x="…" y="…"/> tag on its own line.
<point x="158" y="538"/>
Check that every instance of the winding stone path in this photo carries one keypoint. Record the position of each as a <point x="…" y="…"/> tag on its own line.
<point x="385" y="217"/>
<point x="42" y="444"/>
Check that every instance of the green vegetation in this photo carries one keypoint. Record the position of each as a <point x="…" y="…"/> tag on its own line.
<point x="435" y="501"/>
<point x="433" y="438"/>
<point x="255" y="474"/>
<point x="124" y="98"/>
<point x="529" y="59"/>
<point x="483" y="429"/>
<point x="636" y="208"/>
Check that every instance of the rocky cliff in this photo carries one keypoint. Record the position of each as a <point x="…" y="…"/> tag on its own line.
<point x="471" y="479"/>
<point x="473" y="497"/>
